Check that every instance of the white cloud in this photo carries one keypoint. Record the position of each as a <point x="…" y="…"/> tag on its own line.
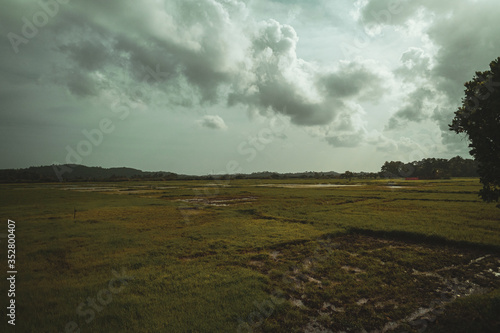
<point x="463" y="37"/>
<point x="213" y="122"/>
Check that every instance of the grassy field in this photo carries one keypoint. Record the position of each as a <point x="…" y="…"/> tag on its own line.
<point x="254" y="256"/>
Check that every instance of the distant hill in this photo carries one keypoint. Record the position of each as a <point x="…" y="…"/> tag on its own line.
<point x="71" y="172"/>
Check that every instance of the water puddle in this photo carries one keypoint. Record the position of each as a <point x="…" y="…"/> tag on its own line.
<point x="217" y="202"/>
<point x="308" y="185"/>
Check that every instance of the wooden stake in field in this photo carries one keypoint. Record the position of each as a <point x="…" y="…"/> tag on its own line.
<point x="74" y="214"/>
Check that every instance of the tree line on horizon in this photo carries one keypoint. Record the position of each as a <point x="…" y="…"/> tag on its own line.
<point x="429" y="168"/>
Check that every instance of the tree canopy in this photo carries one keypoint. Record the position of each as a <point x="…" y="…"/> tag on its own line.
<point x="431" y="168"/>
<point x="479" y="119"/>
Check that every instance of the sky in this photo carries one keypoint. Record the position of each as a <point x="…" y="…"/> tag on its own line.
<point x="230" y="86"/>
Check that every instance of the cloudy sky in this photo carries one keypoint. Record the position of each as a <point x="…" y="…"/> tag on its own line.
<point x="211" y="86"/>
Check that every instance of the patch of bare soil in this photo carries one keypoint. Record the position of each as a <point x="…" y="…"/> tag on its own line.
<point x="360" y="283"/>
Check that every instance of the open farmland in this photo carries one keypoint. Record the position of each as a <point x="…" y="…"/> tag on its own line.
<point x="255" y="256"/>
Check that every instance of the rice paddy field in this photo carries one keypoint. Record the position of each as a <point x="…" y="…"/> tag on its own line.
<point x="253" y="256"/>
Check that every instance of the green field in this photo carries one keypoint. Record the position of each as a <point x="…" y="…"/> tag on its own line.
<point x="254" y="256"/>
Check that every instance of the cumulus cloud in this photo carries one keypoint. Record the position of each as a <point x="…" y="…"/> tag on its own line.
<point x="416" y="108"/>
<point x="309" y="94"/>
<point x="416" y="64"/>
<point x="348" y="130"/>
<point x="464" y="35"/>
<point x="206" y="52"/>
<point x="212" y="122"/>
<point x="280" y="82"/>
<point x="355" y="80"/>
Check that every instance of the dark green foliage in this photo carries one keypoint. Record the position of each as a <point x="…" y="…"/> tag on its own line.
<point x="82" y="173"/>
<point x="479" y="119"/>
<point x="347" y="175"/>
<point x="431" y="168"/>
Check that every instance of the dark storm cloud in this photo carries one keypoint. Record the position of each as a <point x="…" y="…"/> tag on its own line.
<point x="89" y="55"/>
<point x="81" y="84"/>
<point x="414" y="108"/>
<point x="185" y="37"/>
<point x="468" y="42"/>
<point x="354" y="80"/>
<point x="191" y="36"/>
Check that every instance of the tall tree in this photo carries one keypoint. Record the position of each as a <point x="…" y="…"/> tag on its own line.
<point x="479" y="119"/>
